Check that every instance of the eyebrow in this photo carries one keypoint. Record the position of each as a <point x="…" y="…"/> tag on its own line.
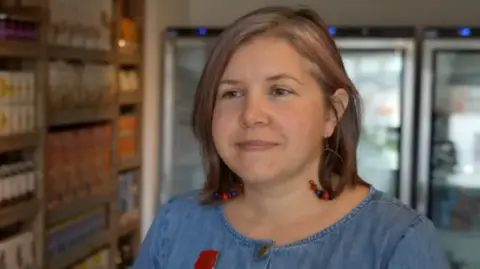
<point x="284" y="76"/>
<point x="270" y="78"/>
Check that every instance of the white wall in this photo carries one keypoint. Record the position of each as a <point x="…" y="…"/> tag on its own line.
<point x="158" y="15"/>
<point x="349" y="12"/>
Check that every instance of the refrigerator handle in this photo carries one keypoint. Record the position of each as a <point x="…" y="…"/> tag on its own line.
<point x="407" y="124"/>
<point x="168" y="119"/>
<point x="425" y="121"/>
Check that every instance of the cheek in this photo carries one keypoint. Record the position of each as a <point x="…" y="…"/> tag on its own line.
<point x="221" y="129"/>
<point x="306" y="124"/>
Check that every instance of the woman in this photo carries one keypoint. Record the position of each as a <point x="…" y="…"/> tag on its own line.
<point x="278" y="121"/>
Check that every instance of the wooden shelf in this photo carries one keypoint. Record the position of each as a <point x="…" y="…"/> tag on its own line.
<point x="131" y="59"/>
<point x="130" y="98"/>
<point x="80" y="252"/>
<point x="79" y="54"/>
<point x="35" y="56"/>
<point x="18" y="141"/>
<point x="20" y="49"/>
<point x="129" y="164"/>
<point x="22" y="13"/>
<point x="19" y="212"/>
<point x="79" y="116"/>
<point x="76" y="208"/>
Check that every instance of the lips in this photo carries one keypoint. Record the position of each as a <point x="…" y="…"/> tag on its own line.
<point x="256" y="145"/>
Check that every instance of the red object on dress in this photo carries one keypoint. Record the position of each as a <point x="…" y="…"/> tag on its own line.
<point x="207" y="259"/>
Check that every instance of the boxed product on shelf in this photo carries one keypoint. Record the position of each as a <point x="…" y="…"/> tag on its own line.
<point x="127" y="125"/>
<point x="99" y="260"/>
<point x="128" y="192"/>
<point x="17" y="106"/>
<point x="127" y="148"/>
<point x="18" y="252"/>
<point x="17" y="179"/>
<point x="128" y="80"/>
<point x="81" y="23"/>
<point x="127" y="137"/>
<point x="71" y="234"/>
<point x="78" y="86"/>
<point x="98" y="83"/>
<point x="128" y="35"/>
<point x="78" y="164"/>
<point x="16" y="187"/>
<point x="16" y="28"/>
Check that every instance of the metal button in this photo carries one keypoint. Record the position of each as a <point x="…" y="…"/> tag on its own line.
<point x="263" y="250"/>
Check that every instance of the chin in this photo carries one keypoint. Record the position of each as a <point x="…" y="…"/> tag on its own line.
<point x="256" y="177"/>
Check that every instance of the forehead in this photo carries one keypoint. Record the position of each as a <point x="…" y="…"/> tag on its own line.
<point x="265" y="56"/>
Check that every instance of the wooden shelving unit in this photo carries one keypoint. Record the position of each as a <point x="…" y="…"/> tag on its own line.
<point x="82" y="115"/>
<point x="90" y="55"/>
<point x="39" y="213"/>
<point x="18" y="141"/>
<point x="21" y="211"/>
<point x="76" y="208"/>
<point x="80" y="252"/>
<point x="129" y="164"/>
<point x="130" y="98"/>
<point x="130" y="59"/>
<point x="23" y="49"/>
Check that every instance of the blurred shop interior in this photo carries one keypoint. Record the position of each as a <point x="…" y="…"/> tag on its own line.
<point x="95" y="97"/>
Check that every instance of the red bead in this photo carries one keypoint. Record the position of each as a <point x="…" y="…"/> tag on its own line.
<point x="225" y="196"/>
<point x="238" y="188"/>
<point x="326" y="196"/>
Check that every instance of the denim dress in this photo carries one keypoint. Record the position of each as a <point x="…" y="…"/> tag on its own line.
<point x="380" y="233"/>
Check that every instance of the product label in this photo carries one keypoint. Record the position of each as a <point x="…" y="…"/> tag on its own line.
<point x="3" y="121"/>
<point x="5" y="91"/>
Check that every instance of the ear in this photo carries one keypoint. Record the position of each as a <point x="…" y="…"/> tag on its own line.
<point x="339" y="101"/>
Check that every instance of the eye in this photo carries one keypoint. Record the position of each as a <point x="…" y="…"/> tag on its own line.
<point x="280" y="91"/>
<point x="230" y="94"/>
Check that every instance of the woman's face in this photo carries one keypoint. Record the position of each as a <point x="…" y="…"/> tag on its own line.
<point x="270" y="117"/>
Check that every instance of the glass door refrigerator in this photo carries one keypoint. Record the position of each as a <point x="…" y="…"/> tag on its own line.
<point x="381" y="62"/>
<point x="184" y="57"/>
<point x="448" y="185"/>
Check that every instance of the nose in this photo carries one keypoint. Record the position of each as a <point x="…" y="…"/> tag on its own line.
<point x="254" y="111"/>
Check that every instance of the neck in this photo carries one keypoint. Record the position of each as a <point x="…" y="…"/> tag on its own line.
<point x="283" y="200"/>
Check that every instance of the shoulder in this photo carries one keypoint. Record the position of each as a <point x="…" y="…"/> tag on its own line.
<point x="390" y="212"/>
<point x="189" y="200"/>
<point x="180" y="214"/>
<point x="418" y="247"/>
<point x="184" y="207"/>
<point x="412" y="238"/>
<point x="381" y="220"/>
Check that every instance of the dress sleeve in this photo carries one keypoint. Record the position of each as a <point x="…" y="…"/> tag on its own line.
<point x="154" y="249"/>
<point x="419" y="248"/>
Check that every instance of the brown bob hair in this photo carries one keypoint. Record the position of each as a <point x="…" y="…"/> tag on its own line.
<point x="308" y="34"/>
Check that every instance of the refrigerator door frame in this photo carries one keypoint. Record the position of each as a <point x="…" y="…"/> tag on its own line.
<point x="423" y="182"/>
<point x="168" y="116"/>
<point x="408" y="46"/>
